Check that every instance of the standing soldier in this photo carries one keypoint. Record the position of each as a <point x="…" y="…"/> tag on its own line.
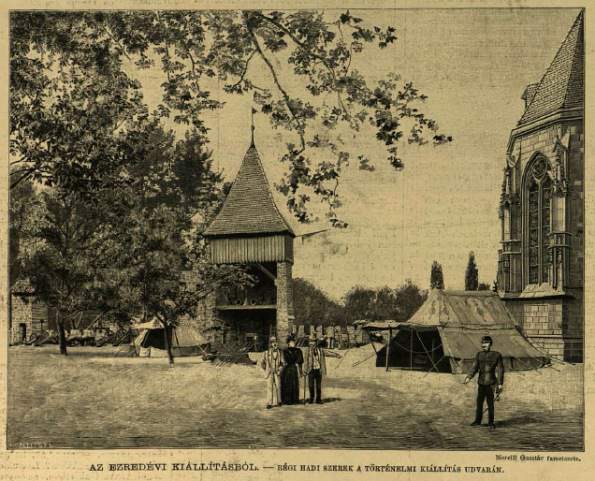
<point x="490" y="368"/>
<point x="272" y="363"/>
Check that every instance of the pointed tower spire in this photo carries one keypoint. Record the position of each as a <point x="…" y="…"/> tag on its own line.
<point x="249" y="207"/>
<point x="561" y="87"/>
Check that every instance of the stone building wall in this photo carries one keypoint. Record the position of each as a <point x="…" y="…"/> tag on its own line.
<point x="553" y="322"/>
<point x="285" y="314"/>
<point x="28" y="315"/>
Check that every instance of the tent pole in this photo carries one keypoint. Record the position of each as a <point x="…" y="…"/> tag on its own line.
<point x="433" y="347"/>
<point x="430" y="355"/>
<point x="410" y="349"/>
<point x="388" y="346"/>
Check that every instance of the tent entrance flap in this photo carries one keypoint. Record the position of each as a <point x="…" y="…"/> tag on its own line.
<point x="415" y="349"/>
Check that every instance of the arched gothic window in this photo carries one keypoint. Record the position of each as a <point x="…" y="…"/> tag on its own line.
<point x="539" y="194"/>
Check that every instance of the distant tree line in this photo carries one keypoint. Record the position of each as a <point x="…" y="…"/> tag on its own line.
<point x="314" y="306"/>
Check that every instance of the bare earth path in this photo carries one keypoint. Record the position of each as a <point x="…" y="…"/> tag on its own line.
<point x="92" y="400"/>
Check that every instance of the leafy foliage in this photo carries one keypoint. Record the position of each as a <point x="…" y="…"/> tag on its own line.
<point x="152" y="260"/>
<point x="60" y="232"/>
<point x="384" y="303"/>
<point x="409" y="298"/>
<point x="74" y="102"/>
<point x="436" y="276"/>
<point x="25" y="218"/>
<point x="134" y="250"/>
<point x="313" y="306"/>
<point x="472" y="274"/>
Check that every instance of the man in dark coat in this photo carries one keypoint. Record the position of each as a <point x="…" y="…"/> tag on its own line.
<point x="489" y="368"/>
<point x="314" y="369"/>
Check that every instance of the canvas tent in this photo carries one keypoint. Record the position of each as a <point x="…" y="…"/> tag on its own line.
<point x="184" y="339"/>
<point x="445" y="334"/>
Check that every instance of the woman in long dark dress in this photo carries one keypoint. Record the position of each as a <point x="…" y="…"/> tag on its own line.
<point x="290" y="377"/>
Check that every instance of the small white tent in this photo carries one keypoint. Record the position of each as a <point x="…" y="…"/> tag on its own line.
<point x="185" y="339"/>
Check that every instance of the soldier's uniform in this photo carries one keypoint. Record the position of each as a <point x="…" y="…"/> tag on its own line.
<point x="489" y="368"/>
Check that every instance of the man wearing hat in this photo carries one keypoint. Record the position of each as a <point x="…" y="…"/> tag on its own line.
<point x="489" y="368"/>
<point x="272" y="363"/>
<point x="314" y="369"/>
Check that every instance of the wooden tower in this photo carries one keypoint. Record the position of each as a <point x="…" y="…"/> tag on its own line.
<point x="250" y="230"/>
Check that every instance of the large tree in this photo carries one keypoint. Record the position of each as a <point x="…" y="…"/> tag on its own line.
<point x="152" y="262"/>
<point x="359" y="303"/>
<point x="471" y="274"/>
<point x="26" y="215"/>
<point x="383" y="303"/>
<point x="409" y="297"/>
<point x="436" y="276"/>
<point x="61" y="232"/>
<point x="313" y="306"/>
<point x="74" y="95"/>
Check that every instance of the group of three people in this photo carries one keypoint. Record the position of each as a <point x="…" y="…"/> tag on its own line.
<point x="284" y="368"/>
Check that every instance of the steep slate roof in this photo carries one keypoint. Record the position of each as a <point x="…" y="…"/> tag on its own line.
<point x="561" y="86"/>
<point x="249" y="207"/>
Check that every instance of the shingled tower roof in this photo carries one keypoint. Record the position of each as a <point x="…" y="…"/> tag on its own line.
<point x="562" y="84"/>
<point x="249" y="207"/>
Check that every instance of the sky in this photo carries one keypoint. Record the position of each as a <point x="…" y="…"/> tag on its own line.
<point x="473" y="64"/>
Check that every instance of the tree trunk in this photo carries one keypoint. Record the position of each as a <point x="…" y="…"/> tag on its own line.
<point x="61" y="334"/>
<point x="166" y="330"/>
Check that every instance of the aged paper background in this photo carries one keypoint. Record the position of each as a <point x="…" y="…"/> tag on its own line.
<point x="74" y="465"/>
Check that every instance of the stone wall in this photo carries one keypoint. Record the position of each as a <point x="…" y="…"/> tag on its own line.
<point x="27" y="313"/>
<point x="569" y="208"/>
<point x="575" y="205"/>
<point x="553" y="325"/>
<point x="285" y="313"/>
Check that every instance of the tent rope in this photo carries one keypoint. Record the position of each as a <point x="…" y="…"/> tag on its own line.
<point x="416" y="352"/>
<point x="427" y="352"/>
<point x="439" y="361"/>
<point x="357" y="363"/>
<point x="549" y="356"/>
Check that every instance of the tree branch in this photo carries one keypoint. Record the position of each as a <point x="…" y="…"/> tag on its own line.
<point x="26" y="176"/>
<point x="243" y="75"/>
<point x="311" y="53"/>
<point x="280" y="88"/>
<point x="120" y="47"/>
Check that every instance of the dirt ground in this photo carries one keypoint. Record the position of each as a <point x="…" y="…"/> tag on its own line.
<point x="92" y="399"/>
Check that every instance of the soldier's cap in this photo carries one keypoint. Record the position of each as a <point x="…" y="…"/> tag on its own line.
<point x="290" y="338"/>
<point x="273" y="339"/>
<point x="485" y="339"/>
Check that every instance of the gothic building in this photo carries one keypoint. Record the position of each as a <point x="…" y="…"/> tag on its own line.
<point x="250" y="230"/>
<point x="541" y="262"/>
